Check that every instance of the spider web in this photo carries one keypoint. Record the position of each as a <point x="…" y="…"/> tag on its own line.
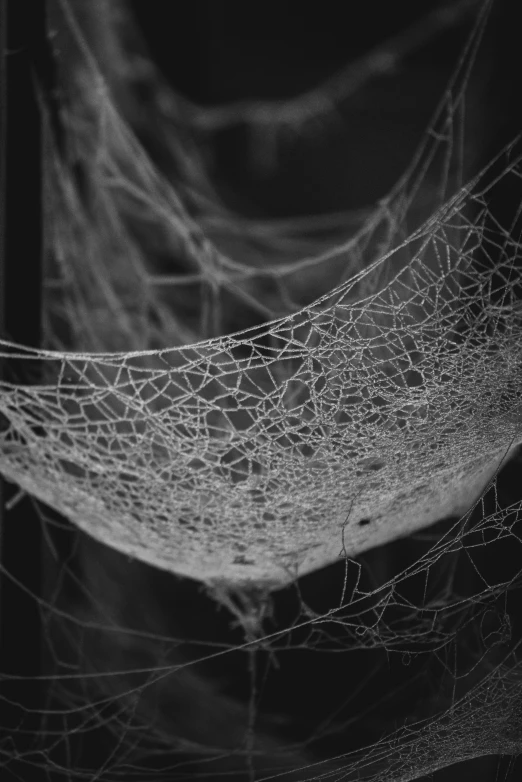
<point x="247" y="460"/>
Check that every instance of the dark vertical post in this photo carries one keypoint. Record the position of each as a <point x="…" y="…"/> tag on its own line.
<point x="22" y="38"/>
<point x="503" y="123"/>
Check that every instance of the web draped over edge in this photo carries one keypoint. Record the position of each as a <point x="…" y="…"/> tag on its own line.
<point x="243" y="458"/>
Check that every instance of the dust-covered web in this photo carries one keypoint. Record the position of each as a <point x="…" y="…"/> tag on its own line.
<point x="247" y="460"/>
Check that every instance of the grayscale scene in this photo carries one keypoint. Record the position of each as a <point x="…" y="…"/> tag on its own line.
<point x="260" y="391"/>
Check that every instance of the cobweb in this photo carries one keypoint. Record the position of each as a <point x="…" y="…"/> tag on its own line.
<point x="378" y="392"/>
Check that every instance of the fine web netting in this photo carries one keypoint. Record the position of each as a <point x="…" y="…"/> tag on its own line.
<point x="379" y="391"/>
